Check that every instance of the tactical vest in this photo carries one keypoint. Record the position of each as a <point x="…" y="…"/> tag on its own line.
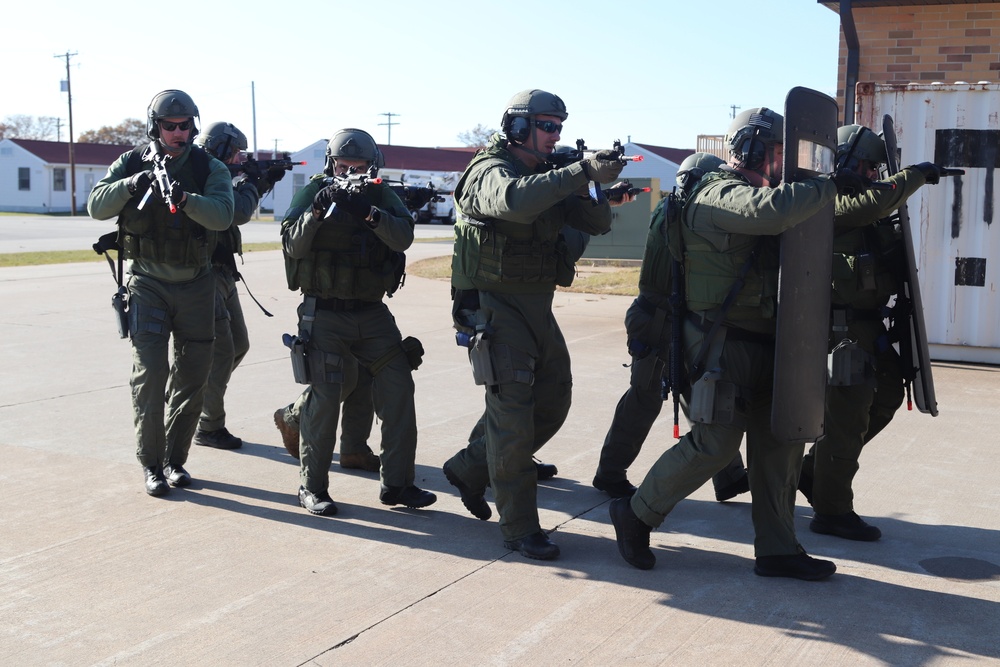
<point x="863" y="272"/>
<point x="713" y="259"/>
<point x="502" y="256"/>
<point x="157" y="235"/>
<point x="663" y="245"/>
<point x="347" y="260"/>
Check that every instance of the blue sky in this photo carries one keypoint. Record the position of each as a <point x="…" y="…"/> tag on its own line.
<point x="660" y="72"/>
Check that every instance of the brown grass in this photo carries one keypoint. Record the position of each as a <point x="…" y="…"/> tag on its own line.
<point x="593" y="276"/>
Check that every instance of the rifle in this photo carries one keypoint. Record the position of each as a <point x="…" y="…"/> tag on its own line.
<point x="566" y="157"/>
<point x="415" y="197"/>
<point x="160" y="177"/>
<point x="623" y="189"/>
<point x="257" y="169"/>
<point x="352" y="182"/>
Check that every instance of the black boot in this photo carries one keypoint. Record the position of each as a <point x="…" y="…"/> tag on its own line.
<point x="408" y="496"/>
<point x="545" y="471"/>
<point x="849" y="526"/>
<point x="632" y="535"/>
<point x="537" y="546"/>
<point x="622" y="489"/>
<point x="474" y="501"/>
<point x="156" y="483"/>
<point x="219" y="439"/>
<point x="320" y="504"/>
<point x="177" y="476"/>
<point x="795" y="566"/>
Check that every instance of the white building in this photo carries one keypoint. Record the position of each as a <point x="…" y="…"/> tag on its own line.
<point x="35" y="176"/>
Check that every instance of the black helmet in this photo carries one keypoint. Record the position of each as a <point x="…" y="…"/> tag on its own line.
<point x="857" y="142"/>
<point x="170" y="104"/>
<point x="694" y="167"/>
<point x="353" y="144"/>
<point x="223" y="140"/>
<point x="526" y="104"/>
<point x="751" y="133"/>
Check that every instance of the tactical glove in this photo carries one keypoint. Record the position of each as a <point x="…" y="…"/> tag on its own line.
<point x="275" y="174"/>
<point x="176" y="192"/>
<point x="356" y="203"/>
<point x="603" y="167"/>
<point x="930" y="171"/>
<point x="850" y="183"/>
<point x="139" y="182"/>
<point x="323" y="200"/>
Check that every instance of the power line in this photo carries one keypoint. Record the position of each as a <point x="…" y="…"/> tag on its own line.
<point x="389" y="114"/>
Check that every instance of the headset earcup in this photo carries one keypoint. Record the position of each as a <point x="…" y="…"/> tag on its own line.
<point x="518" y="129"/>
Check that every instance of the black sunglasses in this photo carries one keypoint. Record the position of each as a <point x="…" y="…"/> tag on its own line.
<point x="549" y="126"/>
<point x="170" y="127"/>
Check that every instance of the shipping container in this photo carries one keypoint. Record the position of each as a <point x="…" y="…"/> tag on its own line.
<point x="955" y="223"/>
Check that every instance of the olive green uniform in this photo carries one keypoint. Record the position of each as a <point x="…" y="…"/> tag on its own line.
<point x="506" y="258"/>
<point x="865" y="269"/>
<point x="726" y="220"/>
<point x="348" y="266"/>
<point x="648" y="327"/>
<point x="171" y="291"/>
<point x="232" y="341"/>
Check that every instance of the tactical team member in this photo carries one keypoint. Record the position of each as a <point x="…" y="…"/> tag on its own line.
<point x="171" y="288"/>
<point x="865" y="269"/>
<point x="339" y="245"/>
<point x="648" y="325"/>
<point x="729" y="227"/>
<point x="511" y="207"/>
<point x="226" y="142"/>
<point x="570" y="246"/>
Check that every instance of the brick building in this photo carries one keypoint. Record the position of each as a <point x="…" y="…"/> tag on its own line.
<point x="915" y="41"/>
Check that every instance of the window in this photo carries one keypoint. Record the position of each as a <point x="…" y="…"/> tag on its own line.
<point x="298" y="182"/>
<point x="23" y="178"/>
<point x="59" y="179"/>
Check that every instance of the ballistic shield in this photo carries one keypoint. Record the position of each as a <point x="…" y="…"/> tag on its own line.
<point x="804" y="279"/>
<point x="913" y="352"/>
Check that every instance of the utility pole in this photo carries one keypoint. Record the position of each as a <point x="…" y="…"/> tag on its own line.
<point x="72" y="157"/>
<point x="253" y="107"/>
<point x="390" y="124"/>
<point x="734" y="108"/>
<point x="58" y="129"/>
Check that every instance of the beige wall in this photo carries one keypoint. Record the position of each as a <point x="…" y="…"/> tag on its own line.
<point x="921" y="43"/>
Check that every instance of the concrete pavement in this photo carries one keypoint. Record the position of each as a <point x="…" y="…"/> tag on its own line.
<point x="232" y="572"/>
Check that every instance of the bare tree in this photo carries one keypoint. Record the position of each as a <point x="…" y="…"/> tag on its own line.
<point x="130" y="132"/>
<point x="477" y="137"/>
<point x="21" y="126"/>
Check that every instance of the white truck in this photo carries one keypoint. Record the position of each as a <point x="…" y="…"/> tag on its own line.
<point x="439" y="210"/>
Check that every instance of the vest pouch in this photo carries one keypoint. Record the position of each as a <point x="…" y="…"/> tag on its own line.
<point x="849" y="365"/>
<point x="325" y="367"/>
<point x="712" y="401"/>
<point x="414" y="351"/>
<point x="647" y="371"/>
<point x="482" y="255"/>
<point x="528" y="262"/>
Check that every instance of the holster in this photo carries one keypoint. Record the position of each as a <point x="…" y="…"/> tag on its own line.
<point x="849" y="365"/>
<point x="713" y="401"/>
<point x="119" y="301"/>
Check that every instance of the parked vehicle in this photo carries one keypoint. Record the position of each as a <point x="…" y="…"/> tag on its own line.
<point x="440" y="209"/>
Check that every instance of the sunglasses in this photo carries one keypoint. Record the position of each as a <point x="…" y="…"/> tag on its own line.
<point x="170" y="127"/>
<point x="549" y="126"/>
